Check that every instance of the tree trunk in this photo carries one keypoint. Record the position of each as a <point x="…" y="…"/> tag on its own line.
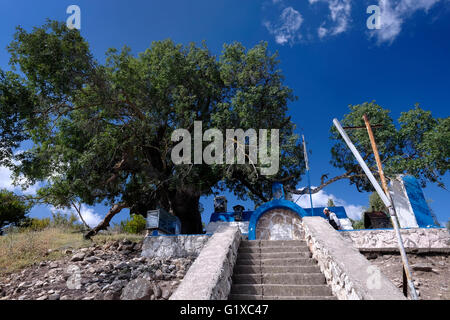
<point x="185" y="206"/>
<point x="105" y="223"/>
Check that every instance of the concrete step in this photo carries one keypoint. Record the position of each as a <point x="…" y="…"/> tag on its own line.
<point x="275" y="255"/>
<point x="272" y="243"/>
<point x="280" y="290"/>
<point x="261" y="297"/>
<point x="276" y="262"/>
<point x="257" y="269"/>
<point x="280" y="278"/>
<point x="273" y="249"/>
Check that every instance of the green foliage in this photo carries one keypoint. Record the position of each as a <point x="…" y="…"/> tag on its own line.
<point x="15" y="107"/>
<point x="448" y="225"/>
<point x="135" y="225"/>
<point x="376" y="204"/>
<point x="102" y="133"/>
<point x="64" y="220"/>
<point x="357" y="224"/>
<point x="419" y="145"/>
<point x="58" y="220"/>
<point x="37" y="224"/>
<point x="13" y="209"/>
<point x="330" y="203"/>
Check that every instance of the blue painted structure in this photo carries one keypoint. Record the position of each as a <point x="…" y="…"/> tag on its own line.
<point x="277" y="191"/>
<point x="318" y="212"/>
<point x="279" y="202"/>
<point x="414" y="192"/>
<point x="229" y="216"/>
<point x="418" y="203"/>
<point x="274" y="204"/>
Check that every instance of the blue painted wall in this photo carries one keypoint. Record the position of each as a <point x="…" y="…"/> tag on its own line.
<point x="418" y="203"/>
<point x="274" y="204"/>
<point x="229" y="216"/>
<point x="318" y="212"/>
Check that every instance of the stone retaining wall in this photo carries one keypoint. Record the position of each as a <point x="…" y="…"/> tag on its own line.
<point x="209" y="277"/>
<point x="350" y="275"/>
<point x="385" y="240"/>
<point x="182" y="246"/>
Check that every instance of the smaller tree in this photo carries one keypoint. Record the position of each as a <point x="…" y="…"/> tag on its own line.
<point x="357" y="224"/>
<point x="376" y="204"/>
<point x="448" y="225"/>
<point x="135" y="226"/>
<point x="330" y="203"/>
<point x="13" y="209"/>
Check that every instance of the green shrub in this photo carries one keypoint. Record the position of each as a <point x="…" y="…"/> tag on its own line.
<point x="135" y="225"/>
<point x="358" y="224"/>
<point x="376" y="204"/>
<point x="61" y="220"/>
<point x="58" y="220"/>
<point x="39" y="224"/>
<point x="13" y="209"/>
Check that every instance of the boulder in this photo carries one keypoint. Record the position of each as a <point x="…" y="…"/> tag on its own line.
<point x="137" y="289"/>
<point x="78" y="257"/>
<point x="422" y="267"/>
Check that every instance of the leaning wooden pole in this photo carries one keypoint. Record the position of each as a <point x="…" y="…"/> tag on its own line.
<point x="377" y="154"/>
<point x="406" y="269"/>
<point x="387" y="202"/>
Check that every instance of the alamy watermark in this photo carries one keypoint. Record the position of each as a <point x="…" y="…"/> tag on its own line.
<point x="241" y="147"/>
<point x="374" y="21"/>
<point x="374" y="278"/>
<point x="74" y="20"/>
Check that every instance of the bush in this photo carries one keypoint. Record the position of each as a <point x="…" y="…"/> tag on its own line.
<point x="376" y="204"/>
<point x="58" y="220"/>
<point x="36" y="224"/>
<point x="135" y="226"/>
<point x="13" y="209"/>
<point x="61" y="220"/>
<point x="357" y="224"/>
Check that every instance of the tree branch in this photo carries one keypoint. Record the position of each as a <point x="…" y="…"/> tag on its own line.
<point x="79" y="213"/>
<point x="115" y="209"/>
<point x="346" y="175"/>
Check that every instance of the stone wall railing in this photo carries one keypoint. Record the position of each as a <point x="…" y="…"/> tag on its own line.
<point x="209" y="277"/>
<point x="350" y="275"/>
<point x="213" y="226"/>
<point x="420" y="239"/>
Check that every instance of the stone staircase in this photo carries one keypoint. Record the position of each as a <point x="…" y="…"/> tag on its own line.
<point x="277" y="270"/>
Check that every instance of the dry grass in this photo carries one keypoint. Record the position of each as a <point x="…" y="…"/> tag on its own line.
<point x="22" y="249"/>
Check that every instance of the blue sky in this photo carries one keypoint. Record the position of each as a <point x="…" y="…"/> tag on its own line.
<point x="328" y="55"/>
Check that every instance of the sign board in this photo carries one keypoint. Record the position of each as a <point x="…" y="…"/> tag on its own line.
<point x="162" y="220"/>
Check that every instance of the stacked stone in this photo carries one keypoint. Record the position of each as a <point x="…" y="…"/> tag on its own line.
<point x="113" y="271"/>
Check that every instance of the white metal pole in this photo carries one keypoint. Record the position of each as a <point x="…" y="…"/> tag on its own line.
<point x="387" y="202"/>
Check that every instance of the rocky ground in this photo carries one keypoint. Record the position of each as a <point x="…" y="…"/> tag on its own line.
<point x="111" y="271"/>
<point x="431" y="272"/>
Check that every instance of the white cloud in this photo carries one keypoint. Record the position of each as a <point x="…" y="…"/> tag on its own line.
<point x="5" y="179"/>
<point x="88" y="214"/>
<point x="340" y="16"/>
<point x="393" y="15"/>
<point x="322" y="32"/>
<point x="286" y="29"/>
<point x="320" y="199"/>
<point x="6" y="182"/>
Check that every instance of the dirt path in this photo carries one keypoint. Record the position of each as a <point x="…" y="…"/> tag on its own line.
<point x="431" y="272"/>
